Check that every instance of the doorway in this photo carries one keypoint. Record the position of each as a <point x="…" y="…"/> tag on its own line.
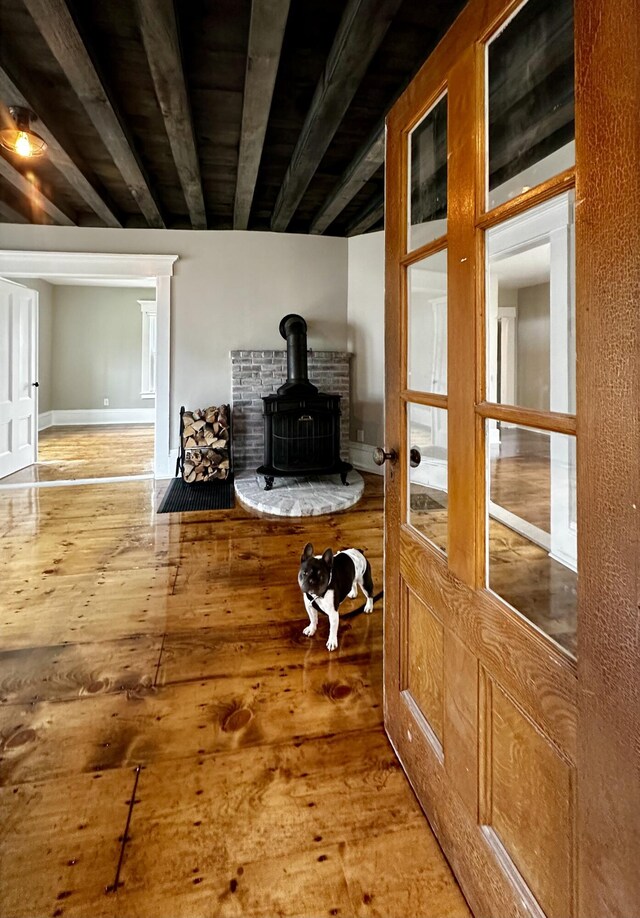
<point x="95" y="380"/>
<point x="60" y="447"/>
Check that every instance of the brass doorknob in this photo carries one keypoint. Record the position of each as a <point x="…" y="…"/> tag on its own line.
<point x="380" y="457"/>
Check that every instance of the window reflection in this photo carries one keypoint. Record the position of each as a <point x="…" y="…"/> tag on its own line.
<point x="532" y="526"/>
<point x="427" y="359"/>
<point x="530" y="114"/>
<point x="428" y="179"/>
<point x="530" y="309"/>
<point x="428" y="472"/>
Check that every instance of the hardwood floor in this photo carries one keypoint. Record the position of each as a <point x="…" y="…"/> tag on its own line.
<point x="69" y="453"/>
<point x="171" y="744"/>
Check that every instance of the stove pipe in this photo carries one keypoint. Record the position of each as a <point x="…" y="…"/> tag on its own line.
<point x="294" y="329"/>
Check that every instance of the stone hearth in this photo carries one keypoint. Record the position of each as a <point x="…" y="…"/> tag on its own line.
<point x="299" y="496"/>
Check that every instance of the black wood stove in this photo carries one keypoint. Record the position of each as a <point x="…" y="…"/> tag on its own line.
<point x="301" y="425"/>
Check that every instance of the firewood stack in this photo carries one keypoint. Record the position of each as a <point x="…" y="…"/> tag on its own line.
<point x="205" y="442"/>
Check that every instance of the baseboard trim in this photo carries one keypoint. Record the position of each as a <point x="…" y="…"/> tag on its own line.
<point x="45" y="420"/>
<point x="523" y="527"/>
<point x="361" y="457"/>
<point x="87" y="416"/>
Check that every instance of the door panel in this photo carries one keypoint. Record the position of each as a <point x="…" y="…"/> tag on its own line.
<point x="18" y="365"/>
<point x="424" y="656"/>
<point x="510" y="652"/>
<point x="529" y="800"/>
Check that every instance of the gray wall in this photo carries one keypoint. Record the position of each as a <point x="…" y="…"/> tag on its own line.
<point x="229" y="292"/>
<point x="366" y="336"/>
<point x="533" y="346"/>
<point x="97" y="342"/>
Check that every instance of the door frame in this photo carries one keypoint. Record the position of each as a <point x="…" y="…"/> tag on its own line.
<point x="598" y="720"/>
<point x="30" y="264"/>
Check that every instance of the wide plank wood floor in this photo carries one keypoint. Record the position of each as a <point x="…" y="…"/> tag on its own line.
<point x="170" y="743"/>
<point x="70" y="453"/>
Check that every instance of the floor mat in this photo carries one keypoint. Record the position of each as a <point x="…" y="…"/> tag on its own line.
<point x="205" y="495"/>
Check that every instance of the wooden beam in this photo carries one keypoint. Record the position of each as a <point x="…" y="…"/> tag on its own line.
<point x="58" y="29"/>
<point x="160" y="36"/>
<point x="266" y="32"/>
<point x="10" y="214"/>
<point x="11" y="95"/>
<point x="372" y="213"/>
<point x="363" y="26"/>
<point x="34" y="196"/>
<point x="366" y="163"/>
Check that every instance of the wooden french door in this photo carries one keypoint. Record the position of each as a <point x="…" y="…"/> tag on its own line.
<point x="512" y="435"/>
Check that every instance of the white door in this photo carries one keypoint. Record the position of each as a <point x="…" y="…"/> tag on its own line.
<point x="18" y="367"/>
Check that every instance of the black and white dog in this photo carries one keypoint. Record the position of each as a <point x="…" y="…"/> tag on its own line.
<point x="327" y="579"/>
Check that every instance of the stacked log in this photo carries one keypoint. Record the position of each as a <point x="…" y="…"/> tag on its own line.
<point x="205" y="440"/>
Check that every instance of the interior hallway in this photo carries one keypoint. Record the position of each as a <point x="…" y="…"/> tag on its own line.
<point x="171" y="744"/>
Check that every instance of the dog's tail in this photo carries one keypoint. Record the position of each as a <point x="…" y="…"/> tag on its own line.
<point x="360" y="609"/>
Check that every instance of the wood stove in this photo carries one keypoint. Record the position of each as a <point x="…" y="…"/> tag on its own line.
<point x="301" y="425"/>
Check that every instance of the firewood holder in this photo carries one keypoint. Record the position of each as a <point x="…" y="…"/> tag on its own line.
<point x="184" y="451"/>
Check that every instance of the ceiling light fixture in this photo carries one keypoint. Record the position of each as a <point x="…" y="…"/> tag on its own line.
<point x="21" y="139"/>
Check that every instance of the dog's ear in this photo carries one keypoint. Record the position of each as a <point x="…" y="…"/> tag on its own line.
<point x="328" y="557"/>
<point x="307" y="552"/>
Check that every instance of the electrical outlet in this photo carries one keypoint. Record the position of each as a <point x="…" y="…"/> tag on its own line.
<point x="105" y="402"/>
<point x="360" y="436"/>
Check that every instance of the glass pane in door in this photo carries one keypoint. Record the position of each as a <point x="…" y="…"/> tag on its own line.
<point x="428" y="472"/>
<point x="530" y="309"/>
<point x="428" y="177"/>
<point x="427" y="357"/>
<point x="532" y="526"/>
<point x="530" y="99"/>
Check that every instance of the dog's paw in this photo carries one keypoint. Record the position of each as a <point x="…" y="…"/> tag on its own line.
<point x="368" y="606"/>
<point x="309" y="631"/>
<point x="354" y="592"/>
<point x="332" y="644"/>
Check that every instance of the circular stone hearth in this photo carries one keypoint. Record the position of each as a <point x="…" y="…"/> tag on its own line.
<point x="299" y="496"/>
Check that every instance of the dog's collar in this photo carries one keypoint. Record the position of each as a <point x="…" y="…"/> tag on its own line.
<point x="313" y="596"/>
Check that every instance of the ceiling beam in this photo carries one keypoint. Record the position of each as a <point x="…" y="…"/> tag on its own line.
<point x="366" y="163"/>
<point x="372" y="214"/>
<point x="266" y="32"/>
<point x="34" y="196"/>
<point x="11" y="95"/>
<point x="160" y="36"/>
<point x="58" y="29"/>
<point x="362" y="28"/>
<point x="11" y="214"/>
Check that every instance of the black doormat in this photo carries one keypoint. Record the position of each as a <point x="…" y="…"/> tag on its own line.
<point x="205" y="495"/>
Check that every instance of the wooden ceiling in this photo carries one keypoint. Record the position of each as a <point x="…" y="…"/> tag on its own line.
<point x="218" y="114"/>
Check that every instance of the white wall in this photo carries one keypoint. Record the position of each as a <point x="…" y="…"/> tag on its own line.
<point x="365" y="314"/>
<point x="229" y="292"/>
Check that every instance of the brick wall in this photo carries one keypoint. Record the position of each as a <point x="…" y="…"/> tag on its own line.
<point x="258" y="373"/>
